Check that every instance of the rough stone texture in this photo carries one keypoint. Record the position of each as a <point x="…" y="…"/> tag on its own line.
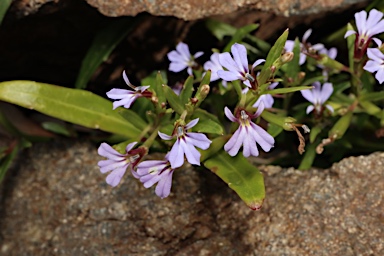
<point x="57" y="203"/>
<point x="191" y="9"/>
<point x="196" y="9"/>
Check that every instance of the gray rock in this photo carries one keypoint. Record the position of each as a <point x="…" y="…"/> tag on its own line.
<point x="57" y="203"/>
<point x="196" y="9"/>
<point x="189" y="9"/>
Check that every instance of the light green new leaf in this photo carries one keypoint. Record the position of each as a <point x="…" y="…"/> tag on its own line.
<point x="309" y="157"/>
<point x="187" y="91"/>
<point x="102" y="46"/>
<point x="241" y="176"/>
<point x="209" y="126"/>
<point x="351" y="47"/>
<point x="72" y="105"/>
<point x="4" y="5"/>
<point x="173" y="99"/>
<point x="273" y="55"/>
<point x="287" y="90"/>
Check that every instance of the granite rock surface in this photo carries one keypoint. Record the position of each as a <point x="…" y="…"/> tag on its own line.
<point x="56" y="202"/>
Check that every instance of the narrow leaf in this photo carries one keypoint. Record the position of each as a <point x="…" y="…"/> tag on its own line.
<point x="287" y="90"/>
<point x="239" y="35"/>
<point x="173" y="99"/>
<point x="187" y="91"/>
<point x="351" y="47"/>
<point x="372" y="96"/>
<point x="241" y="176"/>
<point x="4" y="5"/>
<point x="273" y="55"/>
<point x="293" y="68"/>
<point x="209" y="126"/>
<point x="102" y="46"/>
<point x="309" y="157"/>
<point x="72" y="105"/>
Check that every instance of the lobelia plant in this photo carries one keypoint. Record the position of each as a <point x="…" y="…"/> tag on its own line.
<point x="226" y="106"/>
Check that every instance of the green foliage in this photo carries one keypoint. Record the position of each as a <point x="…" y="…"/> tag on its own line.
<point x="75" y="106"/>
<point x="102" y="46"/>
<point x="241" y="176"/>
<point x="4" y="5"/>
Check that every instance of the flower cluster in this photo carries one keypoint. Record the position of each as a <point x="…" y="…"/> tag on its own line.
<point x="184" y="132"/>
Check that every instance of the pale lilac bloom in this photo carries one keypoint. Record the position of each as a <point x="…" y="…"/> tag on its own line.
<point x="214" y="65"/>
<point x="248" y="134"/>
<point x="117" y="163"/>
<point x="318" y="96"/>
<point x="331" y="53"/>
<point x="181" y="58"/>
<point x="367" y="27"/>
<point x="266" y="99"/>
<point x="155" y="171"/>
<point x="375" y="63"/>
<point x="126" y="97"/>
<point x="237" y="65"/>
<point x="185" y="145"/>
<point x="304" y="46"/>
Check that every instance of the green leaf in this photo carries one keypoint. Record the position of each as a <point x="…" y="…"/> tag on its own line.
<point x="308" y="158"/>
<point x="56" y="128"/>
<point x="161" y="78"/>
<point x="293" y="67"/>
<point x="351" y="47"/>
<point x="4" y="5"/>
<point x="102" y="46"/>
<point x="220" y="29"/>
<point x="239" y="35"/>
<point x="187" y="91"/>
<point x="273" y="55"/>
<point x="204" y="115"/>
<point x="314" y="132"/>
<point x="209" y="126"/>
<point x="341" y="126"/>
<point x="6" y="161"/>
<point x="72" y="105"/>
<point x="130" y="116"/>
<point x="372" y="96"/>
<point x="274" y="129"/>
<point x="286" y="90"/>
<point x="241" y="176"/>
<point x="173" y="99"/>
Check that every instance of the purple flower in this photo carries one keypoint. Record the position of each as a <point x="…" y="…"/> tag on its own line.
<point x="248" y="134"/>
<point x="155" y="171"/>
<point x="318" y="96"/>
<point x="185" y="145"/>
<point x="367" y="27"/>
<point x="375" y="63"/>
<point x="181" y="58"/>
<point x="117" y="163"/>
<point x="127" y="97"/>
<point x="304" y="46"/>
<point x="214" y="65"/>
<point x="237" y="66"/>
<point x="266" y="99"/>
<point x="332" y="53"/>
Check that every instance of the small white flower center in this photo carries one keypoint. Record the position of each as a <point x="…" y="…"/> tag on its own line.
<point x="180" y="131"/>
<point x="243" y="115"/>
<point x="133" y="158"/>
<point x="249" y="77"/>
<point x="153" y="170"/>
